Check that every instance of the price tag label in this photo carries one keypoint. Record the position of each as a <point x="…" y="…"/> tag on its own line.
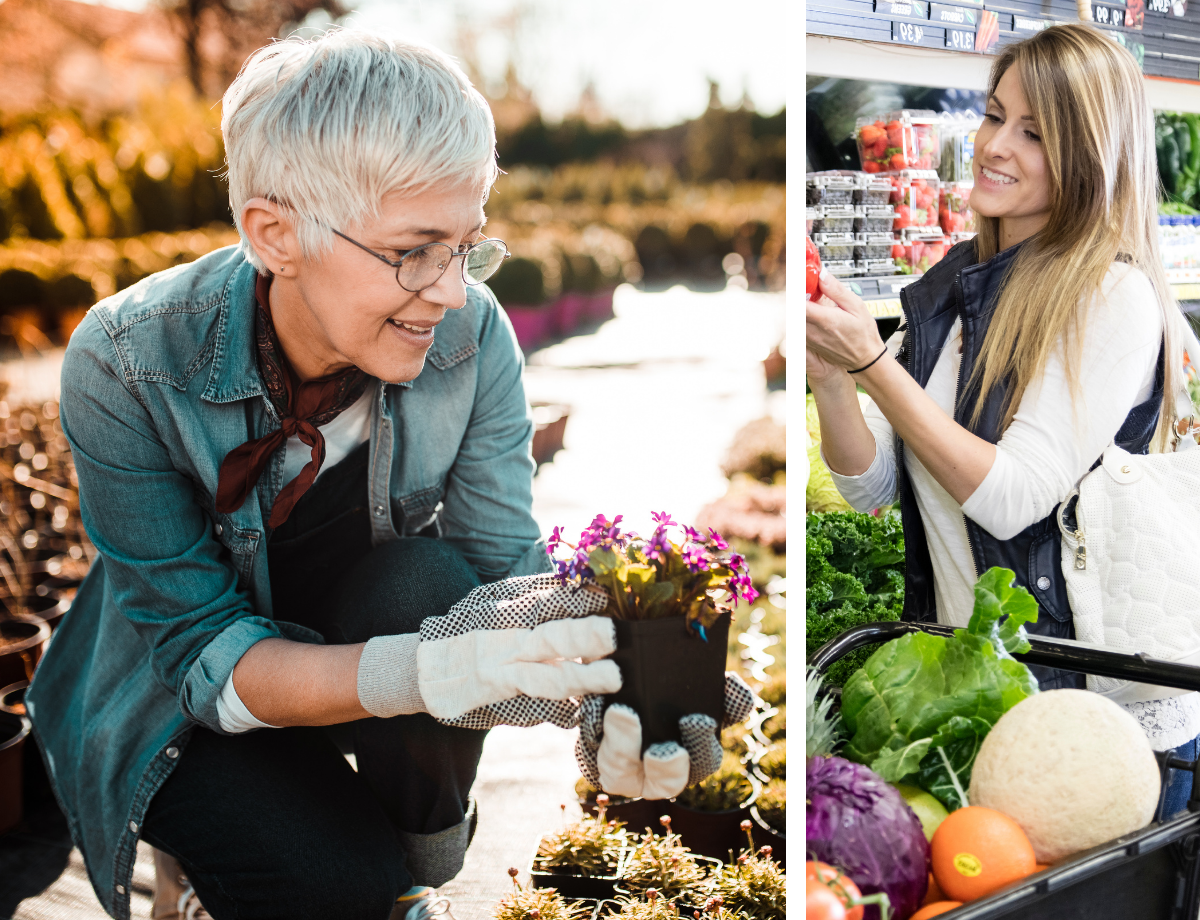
<point x="959" y="40"/>
<point x="1108" y="15"/>
<point x="1158" y="6"/>
<point x="953" y="16"/>
<point x="903" y="9"/>
<point x="1025" y="24"/>
<point x="907" y="32"/>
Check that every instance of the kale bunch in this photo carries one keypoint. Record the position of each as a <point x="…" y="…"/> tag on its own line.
<point x="854" y="567"/>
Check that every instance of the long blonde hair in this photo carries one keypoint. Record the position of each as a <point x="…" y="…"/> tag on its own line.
<point x="1086" y="94"/>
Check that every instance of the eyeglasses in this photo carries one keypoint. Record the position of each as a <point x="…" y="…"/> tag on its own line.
<point x="421" y="267"/>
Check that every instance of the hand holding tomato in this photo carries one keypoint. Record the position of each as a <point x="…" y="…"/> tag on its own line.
<point x="812" y="269"/>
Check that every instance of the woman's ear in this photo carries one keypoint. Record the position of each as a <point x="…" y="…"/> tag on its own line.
<point x="269" y="230"/>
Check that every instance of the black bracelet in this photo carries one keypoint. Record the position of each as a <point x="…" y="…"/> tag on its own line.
<point x="865" y="366"/>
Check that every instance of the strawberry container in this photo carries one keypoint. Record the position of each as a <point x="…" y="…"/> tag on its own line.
<point x="954" y="208"/>
<point x="876" y="218"/>
<point x="811" y="216"/>
<point x="872" y="246"/>
<point x="915" y="195"/>
<point x="835" y="218"/>
<point x="908" y="139"/>
<point x="834" y="247"/>
<point x="872" y="190"/>
<point x="829" y="189"/>
<point x="921" y="251"/>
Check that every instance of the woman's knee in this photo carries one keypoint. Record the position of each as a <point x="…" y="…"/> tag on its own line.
<point x="400" y="584"/>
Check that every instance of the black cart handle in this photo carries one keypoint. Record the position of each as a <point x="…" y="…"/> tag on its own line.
<point x="1068" y="657"/>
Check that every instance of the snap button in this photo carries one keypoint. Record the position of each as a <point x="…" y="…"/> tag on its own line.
<point x="1043" y="583"/>
<point x="120" y="889"/>
<point x="172" y="752"/>
<point x="1126" y="469"/>
<point x="133" y="826"/>
<point x="379" y="509"/>
<point x="220" y="530"/>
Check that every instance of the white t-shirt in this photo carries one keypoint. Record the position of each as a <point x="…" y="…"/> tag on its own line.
<point x="350" y="428"/>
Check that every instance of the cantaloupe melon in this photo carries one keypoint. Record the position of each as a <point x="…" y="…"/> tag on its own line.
<point x="1071" y="767"/>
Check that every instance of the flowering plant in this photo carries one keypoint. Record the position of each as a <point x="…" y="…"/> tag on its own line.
<point x="651" y="577"/>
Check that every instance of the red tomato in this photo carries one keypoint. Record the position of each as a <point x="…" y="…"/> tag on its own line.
<point x="843" y="891"/>
<point x="812" y="269"/>
<point x="870" y="166"/>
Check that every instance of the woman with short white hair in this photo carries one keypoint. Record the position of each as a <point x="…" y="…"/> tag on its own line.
<point x="299" y="459"/>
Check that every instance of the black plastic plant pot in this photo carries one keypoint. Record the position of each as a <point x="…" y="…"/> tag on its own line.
<point x="668" y="672"/>
<point x="713" y="833"/>
<point x="767" y="836"/>
<point x="12" y="698"/>
<point x="687" y="903"/>
<point x="14" y="730"/>
<point x="573" y="886"/>
<point x="638" y="814"/>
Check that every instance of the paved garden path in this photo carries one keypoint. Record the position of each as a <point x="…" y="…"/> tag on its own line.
<point x="656" y="394"/>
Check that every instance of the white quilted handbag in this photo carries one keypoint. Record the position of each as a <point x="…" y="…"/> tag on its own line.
<point x="1132" y="563"/>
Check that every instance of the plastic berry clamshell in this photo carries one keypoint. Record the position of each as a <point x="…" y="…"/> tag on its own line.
<point x="873" y="246"/>
<point x="916" y="200"/>
<point x="872" y="190"/>
<point x="842" y="268"/>
<point x="835" y="218"/>
<point x="921" y="250"/>
<point x="834" y="247"/>
<point x="874" y="218"/>
<point x="954" y="209"/>
<point x="907" y="139"/>
<point x="829" y="189"/>
<point x="877" y="267"/>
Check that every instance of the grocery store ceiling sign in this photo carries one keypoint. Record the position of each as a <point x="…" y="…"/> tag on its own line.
<point x="953" y="15"/>
<point x="903" y="9"/>
<point x="1025" y="24"/>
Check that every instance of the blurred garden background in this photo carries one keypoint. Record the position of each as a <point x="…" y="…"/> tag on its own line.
<point x="643" y="199"/>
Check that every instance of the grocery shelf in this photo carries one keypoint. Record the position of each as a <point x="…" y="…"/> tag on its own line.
<point x="856" y="59"/>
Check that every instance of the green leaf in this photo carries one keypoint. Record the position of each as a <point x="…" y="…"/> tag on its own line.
<point x="947" y="691"/>
<point x="637" y="576"/>
<point x="603" y="561"/>
<point x="893" y="766"/>
<point x="656" y="596"/>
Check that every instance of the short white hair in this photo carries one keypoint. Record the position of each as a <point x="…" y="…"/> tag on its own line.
<point x="329" y="126"/>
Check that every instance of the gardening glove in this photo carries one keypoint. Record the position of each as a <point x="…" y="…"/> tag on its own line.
<point x="609" y="749"/>
<point x="504" y="654"/>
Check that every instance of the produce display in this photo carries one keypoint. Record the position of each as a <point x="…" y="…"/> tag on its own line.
<point x="900" y="140"/>
<point x="1104" y="782"/>
<point x="918" y="251"/>
<point x="915" y="195"/>
<point x="920" y="707"/>
<point x="854" y="564"/>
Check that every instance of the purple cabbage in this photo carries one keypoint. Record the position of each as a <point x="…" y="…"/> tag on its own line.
<point x="861" y="825"/>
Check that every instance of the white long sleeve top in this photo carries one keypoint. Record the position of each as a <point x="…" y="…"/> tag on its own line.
<point x="1051" y="443"/>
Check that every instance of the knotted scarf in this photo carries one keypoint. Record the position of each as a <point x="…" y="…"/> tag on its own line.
<point x="302" y="408"/>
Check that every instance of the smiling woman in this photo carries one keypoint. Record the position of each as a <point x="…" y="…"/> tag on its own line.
<point x="1022" y="355"/>
<point x="305" y="464"/>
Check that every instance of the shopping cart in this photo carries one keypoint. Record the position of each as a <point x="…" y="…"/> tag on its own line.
<point x="1152" y="874"/>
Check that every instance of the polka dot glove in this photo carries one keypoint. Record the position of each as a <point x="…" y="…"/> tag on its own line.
<point x="516" y="652"/>
<point x="609" y="749"/>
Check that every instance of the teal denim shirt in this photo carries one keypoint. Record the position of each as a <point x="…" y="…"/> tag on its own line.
<point x="159" y="383"/>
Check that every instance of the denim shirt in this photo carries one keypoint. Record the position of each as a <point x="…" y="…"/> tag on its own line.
<point x="159" y="383"/>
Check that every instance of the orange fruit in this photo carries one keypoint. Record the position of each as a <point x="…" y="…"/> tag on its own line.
<point x="977" y="850"/>
<point x="932" y="910"/>
<point x="934" y="893"/>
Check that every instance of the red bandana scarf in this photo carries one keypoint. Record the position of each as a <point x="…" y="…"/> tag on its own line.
<point x="302" y="407"/>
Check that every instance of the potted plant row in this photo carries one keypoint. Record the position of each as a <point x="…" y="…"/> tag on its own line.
<point x="662" y="879"/>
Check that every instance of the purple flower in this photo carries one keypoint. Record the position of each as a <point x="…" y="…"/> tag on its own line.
<point x="692" y="534"/>
<point x="553" y="541"/>
<point x="658" y="547"/>
<point x="716" y="539"/>
<point x="737" y="562"/>
<point x="662" y="519"/>
<point x="696" y="559"/>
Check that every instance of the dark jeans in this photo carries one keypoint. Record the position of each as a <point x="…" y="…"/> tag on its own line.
<point x="1179" y="782"/>
<point x="274" y="823"/>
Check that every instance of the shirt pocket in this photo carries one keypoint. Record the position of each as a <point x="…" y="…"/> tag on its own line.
<point x="242" y="544"/>
<point x="418" y="513"/>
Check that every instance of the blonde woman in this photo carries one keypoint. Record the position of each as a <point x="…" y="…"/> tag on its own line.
<point x="1023" y="354"/>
